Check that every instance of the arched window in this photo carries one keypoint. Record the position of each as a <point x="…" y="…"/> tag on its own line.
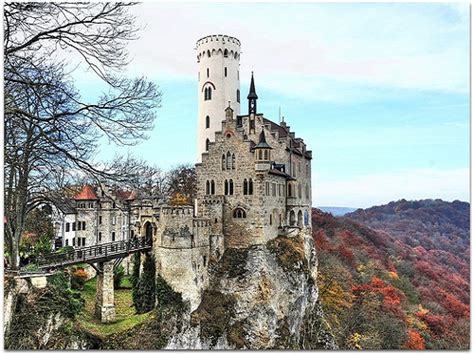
<point x="208" y="122"/>
<point x="245" y="187"/>
<point x="259" y="154"/>
<point x="207" y="187"/>
<point x="226" y="187"/>
<point x="299" y="190"/>
<point x="250" y="187"/>
<point x="207" y="145"/>
<point x="292" y="218"/>
<point x="307" y="191"/>
<point x="239" y="213"/>
<point x="225" y="71"/>
<point x="213" y="188"/>
<point x="231" y="187"/>
<point x="226" y="53"/>
<point x="223" y="161"/>
<point x="265" y="154"/>
<point x="228" y="161"/>
<point x="300" y="219"/>
<point x="233" y="161"/>
<point x="209" y="54"/>
<point x="238" y="95"/>
<point x="207" y="72"/>
<point x="271" y="219"/>
<point x="289" y="189"/>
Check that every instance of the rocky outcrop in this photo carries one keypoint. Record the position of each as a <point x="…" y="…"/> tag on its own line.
<point x="261" y="297"/>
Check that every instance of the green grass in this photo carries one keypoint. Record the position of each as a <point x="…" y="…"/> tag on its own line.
<point x="124" y="310"/>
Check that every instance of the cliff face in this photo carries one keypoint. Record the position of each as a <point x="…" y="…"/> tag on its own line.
<point x="261" y="297"/>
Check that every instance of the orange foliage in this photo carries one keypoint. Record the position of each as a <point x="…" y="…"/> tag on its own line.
<point x="415" y="341"/>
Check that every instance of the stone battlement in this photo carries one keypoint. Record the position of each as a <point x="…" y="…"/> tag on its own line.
<point x="217" y="38"/>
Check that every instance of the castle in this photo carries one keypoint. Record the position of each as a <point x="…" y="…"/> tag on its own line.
<point x="253" y="177"/>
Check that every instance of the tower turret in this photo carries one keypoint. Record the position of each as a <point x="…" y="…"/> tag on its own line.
<point x="218" y="58"/>
<point x="262" y="153"/>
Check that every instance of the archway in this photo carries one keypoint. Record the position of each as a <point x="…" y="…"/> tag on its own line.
<point x="148" y="231"/>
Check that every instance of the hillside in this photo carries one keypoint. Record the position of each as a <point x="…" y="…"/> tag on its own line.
<point x="404" y="285"/>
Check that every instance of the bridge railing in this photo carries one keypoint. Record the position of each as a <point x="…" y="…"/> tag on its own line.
<point x="94" y="252"/>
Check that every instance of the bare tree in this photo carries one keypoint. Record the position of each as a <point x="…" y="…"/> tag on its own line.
<point x="50" y="131"/>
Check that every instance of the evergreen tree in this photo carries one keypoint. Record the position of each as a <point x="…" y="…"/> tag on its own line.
<point x="146" y="288"/>
<point x="135" y="277"/>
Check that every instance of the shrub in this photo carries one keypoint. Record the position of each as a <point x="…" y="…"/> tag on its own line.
<point x="78" y="278"/>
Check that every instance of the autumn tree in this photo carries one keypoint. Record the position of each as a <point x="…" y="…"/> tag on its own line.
<point x="182" y="181"/>
<point x="51" y="132"/>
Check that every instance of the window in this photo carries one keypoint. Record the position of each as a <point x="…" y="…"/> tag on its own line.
<point x="270" y="219"/>
<point x="226" y="53"/>
<point x="225" y="71"/>
<point x="238" y="76"/>
<point x="226" y="188"/>
<point x="113" y="236"/>
<point x="267" y="188"/>
<point x="83" y="242"/>
<point x="207" y="71"/>
<point x="228" y="161"/>
<point x="299" y="190"/>
<point x="265" y="154"/>
<point x="233" y="161"/>
<point x="100" y="219"/>
<point x="73" y="242"/>
<point x="239" y="213"/>
<point x="67" y="227"/>
<point x="207" y="145"/>
<point x="67" y="242"/>
<point x="83" y="226"/>
<point x="204" y="260"/>
<point x="73" y="226"/>
<point x="250" y="187"/>
<point x="238" y="95"/>
<point x="213" y="187"/>
<point x="259" y="154"/>
<point x="245" y="187"/>
<point x="231" y="187"/>
<point x="289" y="190"/>
<point x="273" y="189"/>
<point x="207" y="93"/>
<point x="113" y="205"/>
<point x="114" y="220"/>
<point x="208" y="122"/>
<point x="223" y="161"/>
<point x="306" y="191"/>
<point x="100" y="236"/>
<point x="208" y="187"/>
<point x="91" y="204"/>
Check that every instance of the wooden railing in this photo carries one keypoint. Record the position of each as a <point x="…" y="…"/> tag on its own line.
<point x="94" y="253"/>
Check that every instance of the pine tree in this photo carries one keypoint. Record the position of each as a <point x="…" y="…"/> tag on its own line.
<point x="146" y="288"/>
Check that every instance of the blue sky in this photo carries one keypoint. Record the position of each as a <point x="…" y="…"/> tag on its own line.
<point x="379" y="92"/>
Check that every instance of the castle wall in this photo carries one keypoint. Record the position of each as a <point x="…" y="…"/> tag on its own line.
<point x="181" y="250"/>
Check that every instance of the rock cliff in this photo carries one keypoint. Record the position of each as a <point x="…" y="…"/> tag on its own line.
<point x="261" y="297"/>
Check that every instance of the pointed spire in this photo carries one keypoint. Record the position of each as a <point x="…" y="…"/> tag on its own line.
<point x="252" y="94"/>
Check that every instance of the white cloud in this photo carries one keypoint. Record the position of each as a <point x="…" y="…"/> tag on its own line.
<point x="302" y="48"/>
<point x="369" y="190"/>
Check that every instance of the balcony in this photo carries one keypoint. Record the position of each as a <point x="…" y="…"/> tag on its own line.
<point x="292" y="201"/>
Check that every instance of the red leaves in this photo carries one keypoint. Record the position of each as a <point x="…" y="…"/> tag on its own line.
<point x="415" y="341"/>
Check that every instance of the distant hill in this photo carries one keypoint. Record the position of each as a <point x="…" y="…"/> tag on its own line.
<point x="396" y="276"/>
<point x="337" y="211"/>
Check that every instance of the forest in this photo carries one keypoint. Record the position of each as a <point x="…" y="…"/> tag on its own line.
<point x="396" y="276"/>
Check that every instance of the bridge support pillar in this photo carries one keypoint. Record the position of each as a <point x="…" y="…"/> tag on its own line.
<point x="104" y="302"/>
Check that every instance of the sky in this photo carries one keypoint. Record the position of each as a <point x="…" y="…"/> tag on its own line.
<point x="378" y="91"/>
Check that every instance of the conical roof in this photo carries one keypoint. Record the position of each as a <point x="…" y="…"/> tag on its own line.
<point x="262" y="142"/>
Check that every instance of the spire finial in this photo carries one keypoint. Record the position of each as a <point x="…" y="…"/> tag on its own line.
<point x="252" y="97"/>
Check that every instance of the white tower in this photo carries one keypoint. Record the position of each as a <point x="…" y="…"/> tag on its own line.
<point x="218" y="57"/>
